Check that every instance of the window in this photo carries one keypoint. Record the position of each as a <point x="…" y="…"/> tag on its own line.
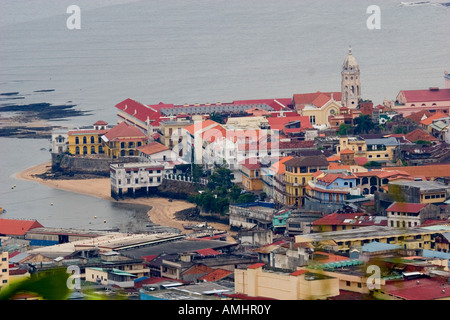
<point x="92" y="139"/>
<point x="347" y="283"/>
<point x="77" y="140"/>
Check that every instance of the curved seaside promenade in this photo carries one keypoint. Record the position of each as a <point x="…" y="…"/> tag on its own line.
<point x="162" y="211"/>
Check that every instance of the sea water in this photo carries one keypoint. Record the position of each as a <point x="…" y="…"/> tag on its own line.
<point x="196" y="51"/>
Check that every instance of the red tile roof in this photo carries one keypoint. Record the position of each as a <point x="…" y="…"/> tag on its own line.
<point x="419" y="115"/>
<point x="279" y="166"/>
<point x="198" y="269"/>
<point x="435" y="116"/>
<point x="215" y="275"/>
<point x="406" y="207"/>
<point x="12" y="227"/>
<point x="152" y="148"/>
<point x="141" y="111"/>
<point x="125" y="131"/>
<point x="347" y="151"/>
<point x="298" y="272"/>
<point x="326" y="257"/>
<point x="429" y="171"/>
<point x="100" y="123"/>
<point x="331" y="177"/>
<point x="426" y="95"/>
<point x="208" y="252"/>
<point x="256" y="266"/>
<point x="419" y="134"/>
<point x="309" y="98"/>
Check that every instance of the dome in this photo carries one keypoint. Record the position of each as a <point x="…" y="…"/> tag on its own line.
<point x="350" y="63"/>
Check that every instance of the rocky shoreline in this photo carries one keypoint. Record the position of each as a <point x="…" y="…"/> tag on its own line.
<point x="31" y="120"/>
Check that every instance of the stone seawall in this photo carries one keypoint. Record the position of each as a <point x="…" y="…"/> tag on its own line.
<point x="98" y="165"/>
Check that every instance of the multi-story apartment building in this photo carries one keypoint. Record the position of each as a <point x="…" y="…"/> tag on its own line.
<point x="299" y="171"/>
<point x="409" y="215"/>
<point x="134" y="178"/>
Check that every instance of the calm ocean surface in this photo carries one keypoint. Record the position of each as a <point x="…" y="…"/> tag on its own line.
<point x="179" y="51"/>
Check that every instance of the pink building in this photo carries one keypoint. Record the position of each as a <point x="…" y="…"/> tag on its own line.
<point x="432" y="100"/>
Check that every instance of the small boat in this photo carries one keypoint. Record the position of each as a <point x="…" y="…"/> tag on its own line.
<point x="418" y="3"/>
<point x="2" y="210"/>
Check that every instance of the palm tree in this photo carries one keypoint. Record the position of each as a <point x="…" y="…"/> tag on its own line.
<point x="363" y="124"/>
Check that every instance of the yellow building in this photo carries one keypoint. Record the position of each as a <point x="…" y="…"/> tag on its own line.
<point x="4" y="269"/>
<point x="298" y="172"/>
<point x="318" y="106"/>
<point x="255" y="281"/>
<point x="123" y="140"/>
<point x="87" y="141"/>
<point x="355" y="144"/>
<point x="173" y="135"/>
<point x="250" y="171"/>
<point x="343" y="241"/>
<point x="373" y="149"/>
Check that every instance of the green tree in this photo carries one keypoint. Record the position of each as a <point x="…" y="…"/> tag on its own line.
<point x="247" y="198"/>
<point x="221" y="177"/>
<point x="234" y="193"/>
<point x="363" y="124"/>
<point x="217" y="118"/>
<point x="344" y="129"/>
<point x="400" y="130"/>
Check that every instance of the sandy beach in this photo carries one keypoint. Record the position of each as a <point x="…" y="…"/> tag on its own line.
<point x="162" y="211"/>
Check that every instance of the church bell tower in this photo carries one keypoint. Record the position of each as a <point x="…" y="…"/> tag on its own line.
<point x="351" y="82"/>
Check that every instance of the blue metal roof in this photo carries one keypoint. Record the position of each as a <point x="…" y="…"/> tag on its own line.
<point x="435" y="254"/>
<point x="375" y="246"/>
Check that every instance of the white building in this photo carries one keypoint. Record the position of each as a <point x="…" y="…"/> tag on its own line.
<point x="59" y="141"/>
<point x="157" y="152"/>
<point x="135" y="178"/>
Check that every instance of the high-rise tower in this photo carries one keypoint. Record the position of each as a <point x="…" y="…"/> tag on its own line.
<point x="351" y="82"/>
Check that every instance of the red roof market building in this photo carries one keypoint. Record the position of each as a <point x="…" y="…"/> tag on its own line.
<point x="432" y="100"/>
<point x="13" y="227"/>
